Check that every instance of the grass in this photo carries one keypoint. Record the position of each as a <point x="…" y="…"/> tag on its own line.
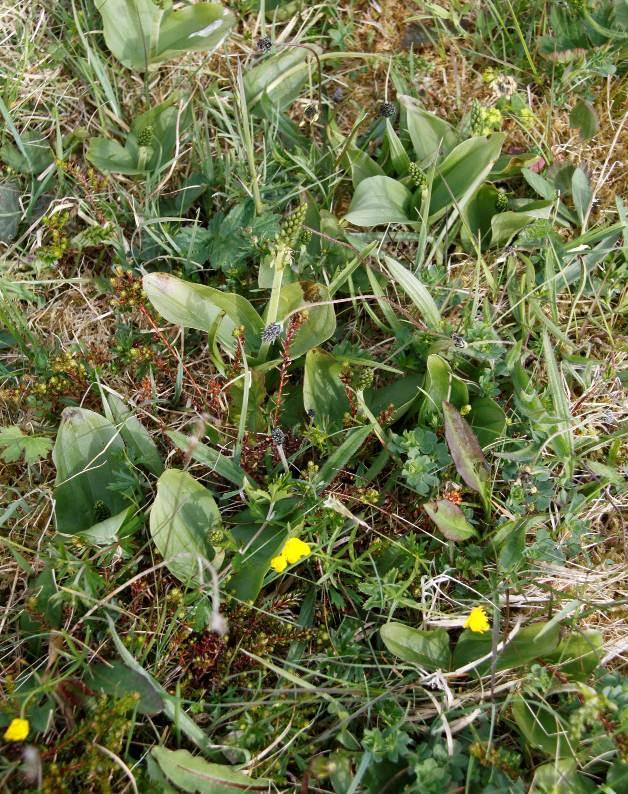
<point x="362" y="284"/>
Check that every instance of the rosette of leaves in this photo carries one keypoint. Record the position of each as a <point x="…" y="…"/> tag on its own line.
<point x="147" y="148"/>
<point x="142" y="34"/>
<point x="428" y="169"/>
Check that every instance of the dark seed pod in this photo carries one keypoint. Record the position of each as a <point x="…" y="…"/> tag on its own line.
<point x="101" y="511"/>
<point x="272" y="332"/>
<point x="278" y="436"/>
<point x="264" y="44"/>
<point x="387" y="110"/>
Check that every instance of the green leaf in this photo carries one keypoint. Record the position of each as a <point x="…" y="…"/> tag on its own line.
<point x="584" y="119"/>
<point x="478" y="215"/>
<point x="416" y="291"/>
<point x="379" y="200"/>
<point x="429" y="133"/>
<point x="134" y="434"/>
<point x="581" y="193"/>
<point x="165" y="122"/>
<point x="141" y="33"/>
<point x="398" y="156"/>
<point x="487" y="419"/>
<point x="542" y="728"/>
<point x="116" y="679"/>
<point x="172" y="705"/>
<point x="32" y="156"/>
<point x="90" y="457"/>
<point x="16" y="444"/>
<point x="224" y="466"/>
<point x="427" y="648"/>
<point x="505" y="225"/>
<point x="440" y="385"/>
<point x="108" y="155"/>
<point x="561" y="776"/>
<point x="279" y="77"/>
<point x="320" y="323"/>
<point x="617" y="777"/>
<point x="578" y="654"/>
<point x="259" y="545"/>
<point x="462" y="172"/>
<point x="560" y="400"/>
<point x="10" y="211"/>
<point x="323" y="392"/>
<point x="193" y="774"/>
<point x="528" y="644"/>
<point x="105" y="533"/>
<point x="198" y="306"/>
<point x="468" y="457"/>
<point x="449" y="519"/>
<point x="354" y="440"/>
<point x="181" y="520"/>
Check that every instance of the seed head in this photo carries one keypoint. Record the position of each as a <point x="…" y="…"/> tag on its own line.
<point x="264" y="44"/>
<point x="145" y="136"/>
<point x="501" y="201"/>
<point x="387" y="110"/>
<point x="272" y="332"/>
<point x="278" y="436"/>
<point x="417" y="175"/>
<point x="476" y="119"/>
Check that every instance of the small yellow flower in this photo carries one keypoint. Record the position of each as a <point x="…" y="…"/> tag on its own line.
<point x="279" y="563"/>
<point x="477" y="621"/>
<point x="17" y="730"/>
<point x="294" y="549"/>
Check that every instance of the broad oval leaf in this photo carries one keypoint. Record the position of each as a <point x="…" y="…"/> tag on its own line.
<point x="462" y="172"/>
<point x="379" y="200"/>
<point x="449" y="519"/>
<point x="142" y="33"/>
<point x="279" y="77"/>
<point x="320" y="323"/>
<point x="578" y="654"/>
<point x="398" y="156"/>
<point x="109" y="155"/>
<point x="116" y="679"/>
<point x="323" y="393"/>
<point x="468" y="457"/>
<point x="531" y="642"/>
<point x="440" y="385"/>
<point x="181" y="520"/>
<point x="89" y="455"/>
<point x="198" y="306"/>
<point x="134" y="434"/>
<point x="427" y="648"/>
<point x="488" y="420"/>
<point x="10" y="210"/>
<point x="429" y="133"/>
<point x="195" y="774"/>
<point x="542" y="727"/>
<point x="561" y="776"/>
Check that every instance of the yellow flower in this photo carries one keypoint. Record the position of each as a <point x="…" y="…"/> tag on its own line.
<point x="477" y="621"/>
<point x="17" y="730"/>
<point x="279" y="563"/>
<point x="294" y="549"/>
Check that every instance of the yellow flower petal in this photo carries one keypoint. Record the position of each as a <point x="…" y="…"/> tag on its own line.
<point x="17" y="730"/>
<point x="279" y="563"/>
<point x="294" y="549"/>
<point x="477" y="621"/>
